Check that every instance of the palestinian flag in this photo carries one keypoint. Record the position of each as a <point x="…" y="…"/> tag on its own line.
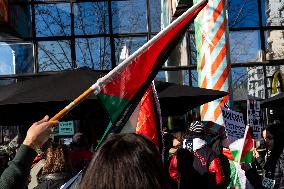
<point x="237" y="175"/>
<point x="242" y="149"/>
<point x="146" y="119"/>
<point x="121" y="89"/>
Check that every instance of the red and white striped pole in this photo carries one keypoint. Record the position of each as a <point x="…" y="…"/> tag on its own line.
<point x="213" y="60"/>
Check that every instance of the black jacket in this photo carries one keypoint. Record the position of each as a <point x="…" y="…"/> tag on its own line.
<point x="273" y="171"/>
<point x="201" y="169"/>
<point x="52" y="181"/>
<point x="16" y="175"/>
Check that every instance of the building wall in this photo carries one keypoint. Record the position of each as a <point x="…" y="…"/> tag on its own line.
<point x="274" y="10"/>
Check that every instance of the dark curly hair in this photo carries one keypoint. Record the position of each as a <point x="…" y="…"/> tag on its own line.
<point x="57" y="160"/>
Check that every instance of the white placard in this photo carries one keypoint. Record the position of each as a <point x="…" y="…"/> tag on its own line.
<point x="253" y="118"/>
<point x="234" y="124"/>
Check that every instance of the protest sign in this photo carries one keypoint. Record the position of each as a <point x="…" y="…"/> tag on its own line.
<point x="64" y="128"/>
<point x="253" y="118"/>
<point x="234" y="124"/>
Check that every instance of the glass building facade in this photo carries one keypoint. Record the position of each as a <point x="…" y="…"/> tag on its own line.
<point x="70" y="34"/>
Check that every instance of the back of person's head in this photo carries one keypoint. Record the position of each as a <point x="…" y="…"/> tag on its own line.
<point x="125" y="161"/>
<point x="57" y="160"/>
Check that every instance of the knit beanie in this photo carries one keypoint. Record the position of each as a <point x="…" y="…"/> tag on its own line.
<point x="196" y="129"/>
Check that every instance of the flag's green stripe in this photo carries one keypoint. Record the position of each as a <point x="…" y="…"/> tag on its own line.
<point x="104" y="135"/>
<point x="233" y="175"/>
<point x="113" y="105"/>
<point x="247" y="158"/>
<point x="235" y="154"/>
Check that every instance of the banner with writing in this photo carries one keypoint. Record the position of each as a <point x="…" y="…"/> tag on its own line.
<point x="253" y="118"/>
<point x="234" y="124"/>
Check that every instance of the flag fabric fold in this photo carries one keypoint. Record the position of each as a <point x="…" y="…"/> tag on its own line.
<point x="146" y="118"/>
<point x="242" y="149"/>
<point x="121" y="89"/>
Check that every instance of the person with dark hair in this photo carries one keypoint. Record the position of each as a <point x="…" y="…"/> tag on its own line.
<point x="125" y="161"/>
<point x="273" y="170"/>
<point x="57" y="168"/>
<point x="17" y="174"/>
<point x="195" y="164"/>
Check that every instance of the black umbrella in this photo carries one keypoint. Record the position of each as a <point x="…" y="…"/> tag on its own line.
<point x="31" y="99"/>
<point x="179" y="99"/>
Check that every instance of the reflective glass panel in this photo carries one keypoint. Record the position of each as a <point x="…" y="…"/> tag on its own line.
<point x="16" y="58"/>
<point x="129" y="16"/>
<point x="243" y="13"/>
<point x="161" y="76"/>
<point x="125" y="46"/>
<point x="239" y="83"/>
<point x="7" y="54"/>
<point x="91" y="18"/>
<point x="248" y="83"/>
<point x="52" y="19"/>
<point x="54" y="55"/>
<point x="245" y="46"/>
<point x="194" y="78"/>
<point x="155" y="15"/>
<point x="179" y="77"/>
<point x="193" y="52"/>
<point x="93" y="53"/>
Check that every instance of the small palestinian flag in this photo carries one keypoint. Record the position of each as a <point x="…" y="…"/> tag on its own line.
<point x="242" y="149"/>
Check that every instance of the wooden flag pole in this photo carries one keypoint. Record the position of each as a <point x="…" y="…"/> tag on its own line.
<point x="72" y="104"/>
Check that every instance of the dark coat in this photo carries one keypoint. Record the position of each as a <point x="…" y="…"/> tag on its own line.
<point x="201" y="169"/>
<point x="52" y="181"/>
<point x="16" y="175"/>
<point x="273" y="169"/>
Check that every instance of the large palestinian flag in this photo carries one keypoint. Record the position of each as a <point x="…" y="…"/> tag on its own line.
<point x="121" y="90"/>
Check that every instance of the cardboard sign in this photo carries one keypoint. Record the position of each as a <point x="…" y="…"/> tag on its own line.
<point x="253" y="115"/>
<point x="234" y="124"/>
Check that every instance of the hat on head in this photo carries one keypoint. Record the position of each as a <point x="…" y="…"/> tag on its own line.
<point x="196" y="128"/>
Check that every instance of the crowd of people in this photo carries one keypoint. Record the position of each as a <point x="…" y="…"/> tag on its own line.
<point x="126" y="161"/>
